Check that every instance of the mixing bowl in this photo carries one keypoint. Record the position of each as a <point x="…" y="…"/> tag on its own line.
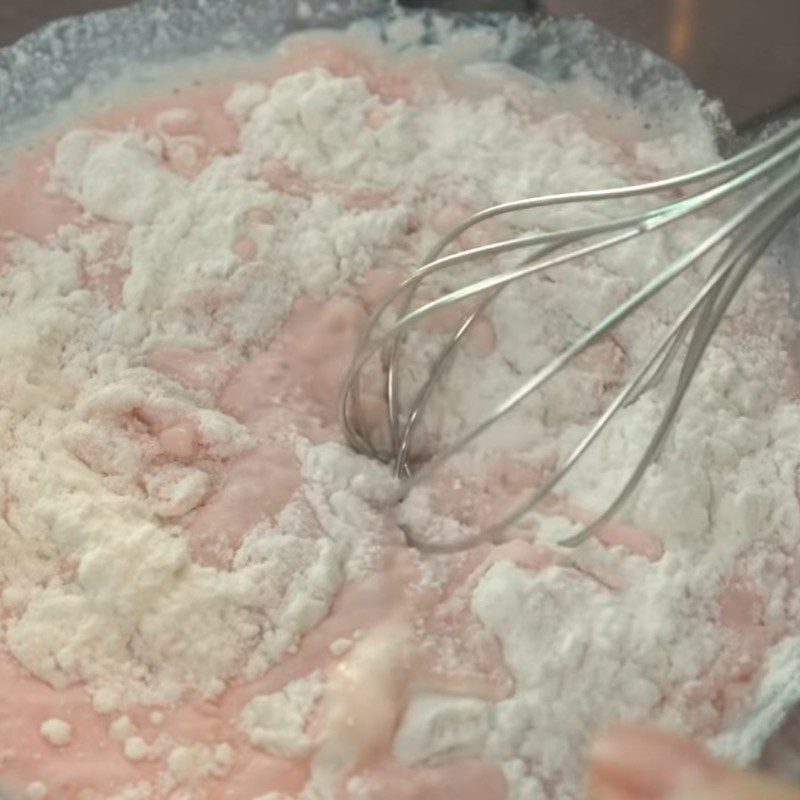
<point x="77" y="65"/>
<point x="745" y="53"/>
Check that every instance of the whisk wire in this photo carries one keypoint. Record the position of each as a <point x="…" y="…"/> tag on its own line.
<point x="654" y="286"/>
<point x="748" y="233"/>
<point x="636" y="225"/>
<point x="697" y="348"/>
<point x="433" y="262"/>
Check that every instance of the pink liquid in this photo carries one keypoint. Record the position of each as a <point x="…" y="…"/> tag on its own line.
<point x="303" y="366"/>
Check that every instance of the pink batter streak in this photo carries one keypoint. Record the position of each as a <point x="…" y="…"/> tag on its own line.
<point x="302" y="366"/>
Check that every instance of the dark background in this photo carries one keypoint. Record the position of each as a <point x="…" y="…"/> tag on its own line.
<point x="746" y="52"/>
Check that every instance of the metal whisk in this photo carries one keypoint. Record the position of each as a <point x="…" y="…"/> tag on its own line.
<point x="768" y="171"/>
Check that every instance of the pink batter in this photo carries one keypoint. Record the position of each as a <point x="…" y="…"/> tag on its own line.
<point x="302" y="365"/>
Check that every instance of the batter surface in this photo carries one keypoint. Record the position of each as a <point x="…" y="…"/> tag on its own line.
<point x="206" y="596"/>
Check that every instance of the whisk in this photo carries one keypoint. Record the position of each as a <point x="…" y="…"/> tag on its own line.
<point x="770" y="174"/>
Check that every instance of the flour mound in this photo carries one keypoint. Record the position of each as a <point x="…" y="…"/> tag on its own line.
<point x="179" y="517"/>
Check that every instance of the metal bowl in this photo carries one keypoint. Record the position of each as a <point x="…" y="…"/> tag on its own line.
<point x="74" y="66"/>
<point x="747" y="54"/>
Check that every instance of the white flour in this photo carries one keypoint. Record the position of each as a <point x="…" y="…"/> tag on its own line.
<point x="277" y="723"/>
<point x="137" y="620"/>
